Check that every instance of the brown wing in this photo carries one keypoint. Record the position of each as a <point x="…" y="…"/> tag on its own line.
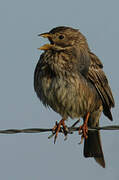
<point x="98" y="78"/>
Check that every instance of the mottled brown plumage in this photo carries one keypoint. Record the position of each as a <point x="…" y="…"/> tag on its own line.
<point x="70" y="79"/>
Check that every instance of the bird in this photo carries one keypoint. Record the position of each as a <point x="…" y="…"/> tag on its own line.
<point x="69" y="78"/>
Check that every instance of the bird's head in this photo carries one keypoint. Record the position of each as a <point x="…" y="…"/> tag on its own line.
<point x="62" y="38"/>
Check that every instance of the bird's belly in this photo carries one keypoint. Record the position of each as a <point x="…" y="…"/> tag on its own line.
<point x="66" y="96"/>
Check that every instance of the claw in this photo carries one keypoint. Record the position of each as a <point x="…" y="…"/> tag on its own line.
<point x="82" y="138"/>
<point x="65" y="138"/>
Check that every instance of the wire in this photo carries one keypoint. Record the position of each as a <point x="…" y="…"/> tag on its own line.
<point x="41" y="130"/>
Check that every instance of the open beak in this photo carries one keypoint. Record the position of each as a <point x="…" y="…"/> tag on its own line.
<point x="46" y="46"/>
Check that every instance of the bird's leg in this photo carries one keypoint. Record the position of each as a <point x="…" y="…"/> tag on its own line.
<point x="84" y="128"/>
<point x="57" y="128"/>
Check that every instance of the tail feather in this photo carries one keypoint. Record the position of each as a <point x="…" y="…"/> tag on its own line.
<point x="100" y="161"/>
<point x="93" y="147"/>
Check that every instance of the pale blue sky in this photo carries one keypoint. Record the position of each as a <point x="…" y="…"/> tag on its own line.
<point x="33" y="156"/>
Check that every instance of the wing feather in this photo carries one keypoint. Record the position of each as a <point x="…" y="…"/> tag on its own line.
<point x="97" y="76"/>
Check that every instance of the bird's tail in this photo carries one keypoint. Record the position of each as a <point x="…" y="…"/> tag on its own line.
<point x="93" y="147"/>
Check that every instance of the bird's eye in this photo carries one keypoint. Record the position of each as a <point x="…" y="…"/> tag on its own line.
<point x="61" y="37"/>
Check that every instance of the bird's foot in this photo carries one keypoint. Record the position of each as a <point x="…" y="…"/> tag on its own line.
<point x="60" y="127"/>
<point x="83" y="129"/>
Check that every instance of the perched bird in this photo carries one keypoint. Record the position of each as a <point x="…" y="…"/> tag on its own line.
<point x="70" y="79"/>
